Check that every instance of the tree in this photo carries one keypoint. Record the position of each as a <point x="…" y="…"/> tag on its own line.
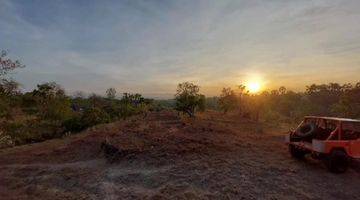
<point x="8" y="87"/>
<point x="48" y="90"/>
<point x="242" y="99"/>
<point x="228" y="100"/>
<point x="132" y="99"/>
<point x="52" y="102"/>
<point x="324" y="96"/>
<point x="95" y="100"/>
<point x="282" y="90"/>
<point x="7" y="64"/>
<point x="111" y="93"/>
<point x="349" y="103"/>
<point x="131" y="104"/>
<point x="188" y="99"/>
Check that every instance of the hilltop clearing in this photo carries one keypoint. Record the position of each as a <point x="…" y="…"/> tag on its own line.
<point x="210" y="157"/>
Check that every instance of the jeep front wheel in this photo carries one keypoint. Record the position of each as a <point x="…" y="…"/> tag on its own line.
<point x="337" y="161"/>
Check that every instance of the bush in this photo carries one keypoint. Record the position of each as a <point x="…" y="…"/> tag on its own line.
<point x="52" y="102"/>
<point x="32" y="131"/>
<point x="5" y="141"/>
<point x="271" y="116"/>
<point x="93" y="116"/>
<point x="74" y="124"/>
<point x="47" y="112"/>
<point x="188" y="99"/>
<point x="45" y="130"/>
<point x="228" y="100"/>
<point x="16" y="131"/>
<point x="4" y="108"/>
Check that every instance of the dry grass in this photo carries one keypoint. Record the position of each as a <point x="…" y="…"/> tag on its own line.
<point x="210" y="157"/>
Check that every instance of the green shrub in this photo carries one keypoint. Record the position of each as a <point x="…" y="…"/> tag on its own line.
<point x="46" y="129"/>
<point x="5" y="141"/>
<point x="74" y="124"/>
<point x="188" y="99"/>
<point x="126" y="110"/>
<point x="4" y="108"/>
<point x="33" y="131"/>
<point x="15" y="131"/>
<point x="93" y="116"/>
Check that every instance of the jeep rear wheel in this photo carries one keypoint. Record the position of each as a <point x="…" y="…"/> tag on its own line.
<point x="296" y="152"/>
<point x="337" y="161"/>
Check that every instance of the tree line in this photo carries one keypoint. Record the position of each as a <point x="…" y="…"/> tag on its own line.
<point x="280" y="105"/>
<point x="331" y="99"/>
<point x="47" y="112"/>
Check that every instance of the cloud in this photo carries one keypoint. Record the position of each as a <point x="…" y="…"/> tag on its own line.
<point x="150" y="46"/>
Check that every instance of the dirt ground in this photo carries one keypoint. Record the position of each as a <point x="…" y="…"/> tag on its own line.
<point x="211" y="157"/>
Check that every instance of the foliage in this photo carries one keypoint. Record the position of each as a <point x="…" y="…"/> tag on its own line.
<point x="51" y="101"/>
<point x="188" y="99"/>
<point x="349" y="102"/>
<point x="52" y="114"/>
<point x="32" y="130"/>
<point x="93" y="116"/>
<point x="285" y="105"/>
<point x="228" y="100"/>
<point x="162" y="104"/>
<point x="111" y="93"/>
<point x="5" y="141"/>
<point x="7" y="64"/>
<point x="9" y="88"/>
<point x="5" y="107"/>
<point x="212" y="103"/>
<point x="74" y="124"/>
<point x="47" y="112"/>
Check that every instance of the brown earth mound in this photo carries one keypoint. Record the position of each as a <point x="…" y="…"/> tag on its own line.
<point x="210" y="157"/>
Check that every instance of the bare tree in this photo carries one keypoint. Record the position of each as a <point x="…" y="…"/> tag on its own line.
<point x="7" y="64"/>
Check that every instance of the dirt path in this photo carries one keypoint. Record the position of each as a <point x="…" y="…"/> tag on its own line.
<point x="213" y="157"/>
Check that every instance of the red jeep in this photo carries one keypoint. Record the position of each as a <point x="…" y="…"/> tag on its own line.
<point x="334" y="140"/>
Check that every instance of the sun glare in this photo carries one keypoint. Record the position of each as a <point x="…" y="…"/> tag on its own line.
<point x="253" y="87"/>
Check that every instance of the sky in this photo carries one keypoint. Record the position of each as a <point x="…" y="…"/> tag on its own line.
<point x="150" y="46"/>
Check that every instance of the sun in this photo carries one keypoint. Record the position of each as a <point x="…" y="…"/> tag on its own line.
<point x="253" y="87"/>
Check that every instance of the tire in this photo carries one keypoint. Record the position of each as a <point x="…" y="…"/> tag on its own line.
<point x="338" y="161"/>
<point x="296" y="152"/>
<point x="306" y="131"/>
<point x="294" y="138"/>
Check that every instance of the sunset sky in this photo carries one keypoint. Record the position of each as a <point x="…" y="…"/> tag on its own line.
<point x="150" y="46"/>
